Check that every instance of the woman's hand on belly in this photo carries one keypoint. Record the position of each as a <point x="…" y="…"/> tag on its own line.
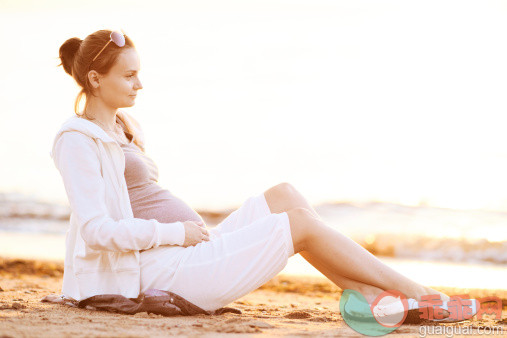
<point x="195" y="232"/>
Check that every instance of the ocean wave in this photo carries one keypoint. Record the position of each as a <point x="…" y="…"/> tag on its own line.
<point x="17" y="206"/>
<point x="439" y="249"/>
<point x="385" y="229"/>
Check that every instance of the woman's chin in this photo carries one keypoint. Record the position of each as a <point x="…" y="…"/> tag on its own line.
<point x="131" y="103"/>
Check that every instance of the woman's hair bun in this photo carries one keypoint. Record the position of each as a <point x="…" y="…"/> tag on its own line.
<point x="67" y="53"/>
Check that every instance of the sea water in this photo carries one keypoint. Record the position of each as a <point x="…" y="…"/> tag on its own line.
<point x="434" y="246"/>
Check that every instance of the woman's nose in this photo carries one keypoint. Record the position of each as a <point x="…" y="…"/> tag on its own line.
<point x="139" y="85"/>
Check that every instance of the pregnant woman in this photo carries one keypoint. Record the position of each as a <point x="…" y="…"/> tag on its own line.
<point x="128" y="234"/>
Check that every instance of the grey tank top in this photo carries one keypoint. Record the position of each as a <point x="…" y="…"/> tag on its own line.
<point x="147" y="198"/>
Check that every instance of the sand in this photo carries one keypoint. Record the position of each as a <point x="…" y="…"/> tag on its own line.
<point x="286" y="305"/>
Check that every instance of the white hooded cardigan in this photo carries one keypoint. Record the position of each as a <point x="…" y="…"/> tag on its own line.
<point x="104" y="238"/>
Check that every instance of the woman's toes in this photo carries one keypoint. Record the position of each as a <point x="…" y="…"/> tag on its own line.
<point x="443" y="296"/>
<point x="427" y="291"/>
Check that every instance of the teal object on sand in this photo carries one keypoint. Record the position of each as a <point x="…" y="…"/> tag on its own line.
<point x="356" y="312"/>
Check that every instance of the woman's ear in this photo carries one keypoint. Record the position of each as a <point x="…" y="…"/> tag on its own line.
<point x="94" y="79"/>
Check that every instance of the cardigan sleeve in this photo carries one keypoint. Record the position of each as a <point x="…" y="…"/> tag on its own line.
<point x="76" y="157"/>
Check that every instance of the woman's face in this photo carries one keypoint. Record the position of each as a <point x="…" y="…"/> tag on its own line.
<point x="118" y="88"/>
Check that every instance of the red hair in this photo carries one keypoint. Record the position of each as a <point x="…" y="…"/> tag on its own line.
<point x="76" y="57"/>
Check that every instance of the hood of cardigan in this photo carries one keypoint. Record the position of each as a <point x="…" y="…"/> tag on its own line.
<point x="87" y="127"/>
<point x="84" y="126"/>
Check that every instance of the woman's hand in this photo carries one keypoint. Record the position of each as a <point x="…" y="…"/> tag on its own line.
<point x="195" y="232"/>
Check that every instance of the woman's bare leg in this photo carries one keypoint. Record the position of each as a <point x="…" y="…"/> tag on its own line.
<point x="284" y="197"/>
<point x="339" y="258"/>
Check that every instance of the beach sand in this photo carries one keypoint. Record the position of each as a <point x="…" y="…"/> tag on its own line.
<point x="286" y="305"/>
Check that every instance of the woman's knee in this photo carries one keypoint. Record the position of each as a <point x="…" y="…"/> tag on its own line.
<point x="284" y="189"/>
<point x="302" y="225"/>
<point x="281" y="197"/>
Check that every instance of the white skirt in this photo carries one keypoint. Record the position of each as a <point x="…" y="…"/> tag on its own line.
<point x="245" y="250"/>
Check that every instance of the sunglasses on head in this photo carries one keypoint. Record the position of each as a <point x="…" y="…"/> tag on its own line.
<point x="117" y="37"/>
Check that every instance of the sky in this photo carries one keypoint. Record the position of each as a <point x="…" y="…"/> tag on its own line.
<point x="394" y="101"/>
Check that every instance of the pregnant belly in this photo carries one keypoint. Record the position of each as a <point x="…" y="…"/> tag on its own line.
<point x="153" y="202"/>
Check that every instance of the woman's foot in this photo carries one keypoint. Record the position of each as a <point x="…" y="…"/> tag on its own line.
<point x="426" y="291"/>
<point x="370" y="293"/>
<point x="471" y="304"/>
<point x="414" y="298"/>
